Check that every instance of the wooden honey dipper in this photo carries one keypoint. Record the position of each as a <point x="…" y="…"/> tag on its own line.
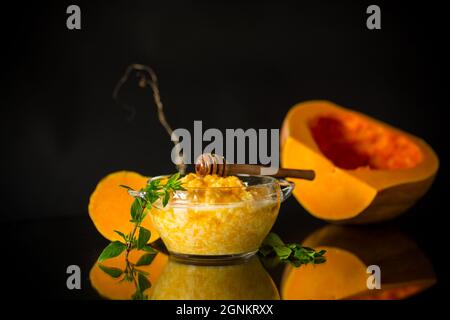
<point x="214" y="164"/>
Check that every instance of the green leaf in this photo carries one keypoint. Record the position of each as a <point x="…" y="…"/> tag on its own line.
<point x="173" y="178"/>
<point x="166" y="198"/>
<point x="151" y="196"/>
<point x="146" y="259"/>
<point x="143" y="282"/>
<point x="113" y="272"/>
<point x="273" y="240"/>
<point x="149" y="249"/>
<point x="319" y="257"/>
<point x="124" y="237"/>
<point x="273" y="247"/>
<point x="138" y="295"/>
<point x="300" y="254"/>
<point x="114" y="249"/>
<point x="154" y="184"/>
<point x="144" y="236"/>
<point x="305" y="255"/>
<point x="283" y="252"/>
<point x="143" y="215"/>
<point x="320" y="260"/>
<point x="159" y="246"/>
<point x="136" y="209"/>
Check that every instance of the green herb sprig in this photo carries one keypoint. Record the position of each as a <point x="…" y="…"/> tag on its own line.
<point x="144" y="199"/>
<point x="132" y="274"/>
<point x="273" y="251"/>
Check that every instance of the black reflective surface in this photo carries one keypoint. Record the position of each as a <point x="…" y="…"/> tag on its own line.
<point x="45" y="248"/>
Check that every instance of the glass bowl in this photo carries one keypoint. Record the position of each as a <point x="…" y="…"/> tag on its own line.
<point x="220" y="223"/>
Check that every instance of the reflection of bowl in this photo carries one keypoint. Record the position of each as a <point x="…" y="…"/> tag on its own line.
<point x="244" y="281"/>
<point x="404" y="269"/>
<point x="220" y="220"/>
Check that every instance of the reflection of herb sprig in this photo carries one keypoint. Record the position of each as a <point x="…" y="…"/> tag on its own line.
<point x="273" y="251"/>
<point x="143" y="202"/>
<point x="131" y="274"/>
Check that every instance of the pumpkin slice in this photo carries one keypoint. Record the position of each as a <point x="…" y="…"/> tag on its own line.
<point x="109" y="205"/>
<point x="366" y="170"/>
<point x="116" y="288"/>
<point x="405" y="270"/>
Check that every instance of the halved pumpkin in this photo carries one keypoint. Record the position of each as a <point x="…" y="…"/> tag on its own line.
<point x="366" y="170"/>
<point x="404" y="269"/>
<point x="110" y="204"/>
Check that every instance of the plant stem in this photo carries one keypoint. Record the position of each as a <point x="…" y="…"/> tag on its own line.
<point x="136" y="226"/>
<point x="129" y="243"/>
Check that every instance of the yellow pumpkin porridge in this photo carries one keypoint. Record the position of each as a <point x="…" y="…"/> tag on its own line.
<point x="217" y="216"/>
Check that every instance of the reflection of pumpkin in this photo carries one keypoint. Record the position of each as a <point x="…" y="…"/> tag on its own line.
<point x="366" y="170"/>
<point x="404" y="268"/>
<point x="115" y="289"/>
<point x="109" y="205"/>
<point x="244" y="281"/>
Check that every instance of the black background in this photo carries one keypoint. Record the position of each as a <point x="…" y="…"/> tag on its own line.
<point x="229" y="64"/>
